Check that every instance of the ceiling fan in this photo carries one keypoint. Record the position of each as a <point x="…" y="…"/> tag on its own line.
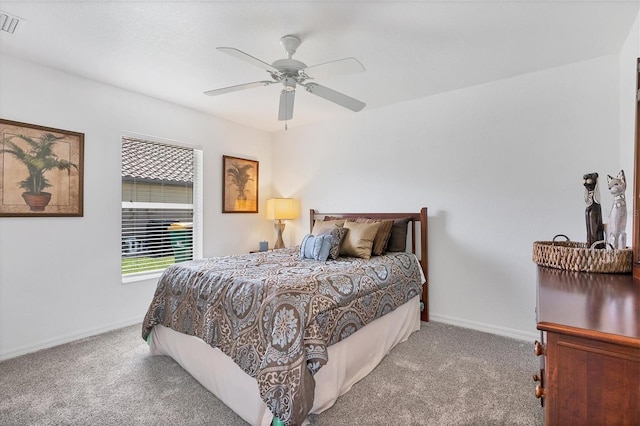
<point x="292" y="73"/>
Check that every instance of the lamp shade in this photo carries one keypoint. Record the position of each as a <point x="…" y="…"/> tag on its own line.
<point x="281" y="209"/>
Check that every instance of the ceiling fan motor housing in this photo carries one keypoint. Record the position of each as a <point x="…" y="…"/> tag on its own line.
<point x="289" y="66"/>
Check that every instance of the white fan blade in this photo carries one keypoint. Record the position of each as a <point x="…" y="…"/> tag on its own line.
<point x="286" y="105"/>
<point x="335" y="97"/>
<point x="341" y="66"/>
<point x="248" y="58"/>
<point x="230" y="89"/>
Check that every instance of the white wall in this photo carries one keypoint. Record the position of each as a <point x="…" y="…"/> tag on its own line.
<point x="628" y="60"/>
<point x="60" y="277"/>
<point x="498" y="165"/>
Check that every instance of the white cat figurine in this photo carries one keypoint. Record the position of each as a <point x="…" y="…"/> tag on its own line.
<point x="616" y="235"/>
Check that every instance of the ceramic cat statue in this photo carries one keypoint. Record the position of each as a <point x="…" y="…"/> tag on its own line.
<point x="616" y="235"/>
<point x="593" y="212"/>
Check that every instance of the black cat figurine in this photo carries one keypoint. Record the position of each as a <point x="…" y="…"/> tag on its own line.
<point x="593" y="212"/>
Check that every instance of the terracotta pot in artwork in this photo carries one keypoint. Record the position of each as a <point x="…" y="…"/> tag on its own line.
<point x="36" y="202"/>
<point x="241" y="203"/>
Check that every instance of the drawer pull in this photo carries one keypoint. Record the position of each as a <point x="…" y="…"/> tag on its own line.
<point x="538" y="348"/>
<point x="539" y="391"/>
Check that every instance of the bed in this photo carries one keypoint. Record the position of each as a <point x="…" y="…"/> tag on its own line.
<point x="277" y="337"/>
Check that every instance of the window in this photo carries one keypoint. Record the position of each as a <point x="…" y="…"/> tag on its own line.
<point x="161" y="206"/>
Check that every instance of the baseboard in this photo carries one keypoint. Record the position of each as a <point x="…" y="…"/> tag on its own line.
<point x="487" y="328"/>
<point x="49" y="343"/>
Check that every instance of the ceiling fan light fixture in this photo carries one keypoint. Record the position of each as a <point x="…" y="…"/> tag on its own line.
<point x="289" y="84"/>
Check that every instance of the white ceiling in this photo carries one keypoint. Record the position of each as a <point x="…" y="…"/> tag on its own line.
<point x="410" y="49"/>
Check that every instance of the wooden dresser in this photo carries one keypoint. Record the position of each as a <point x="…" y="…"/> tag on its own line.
<point x="589" y="348"/>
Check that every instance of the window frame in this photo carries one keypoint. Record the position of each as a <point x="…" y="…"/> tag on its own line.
<point x="196" y="206"/>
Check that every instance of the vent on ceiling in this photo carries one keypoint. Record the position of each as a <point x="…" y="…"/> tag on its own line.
<point x="9" y="22"/>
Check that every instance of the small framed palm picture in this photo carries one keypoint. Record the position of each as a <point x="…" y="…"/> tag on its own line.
<point x="239" y="185"/>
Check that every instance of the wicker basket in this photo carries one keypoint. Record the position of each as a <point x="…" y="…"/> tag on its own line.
<point x="573" y="256"/>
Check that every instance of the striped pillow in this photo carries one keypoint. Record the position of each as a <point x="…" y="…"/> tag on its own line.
<point x="383" y="235"/>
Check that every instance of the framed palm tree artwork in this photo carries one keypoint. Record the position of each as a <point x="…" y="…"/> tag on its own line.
<point x="41" y="170"/>
<point x="240" y="185"/>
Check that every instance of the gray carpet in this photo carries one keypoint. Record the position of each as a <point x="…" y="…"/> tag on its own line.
<point x="443" y="375"/>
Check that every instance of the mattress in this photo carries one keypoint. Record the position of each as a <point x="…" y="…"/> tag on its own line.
<point x="349" y="361"/>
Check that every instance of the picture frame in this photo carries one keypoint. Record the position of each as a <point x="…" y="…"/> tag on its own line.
<point x="41" y="171"/>
<point x="239" y="185"/>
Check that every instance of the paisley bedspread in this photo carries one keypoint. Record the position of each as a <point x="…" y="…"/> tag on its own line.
<point x="275" y="315"/>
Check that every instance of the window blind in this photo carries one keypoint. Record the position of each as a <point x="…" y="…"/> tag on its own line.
<point x="161" y="205"/>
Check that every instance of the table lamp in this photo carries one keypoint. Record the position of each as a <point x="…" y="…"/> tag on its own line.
<point x="280" y="209"/>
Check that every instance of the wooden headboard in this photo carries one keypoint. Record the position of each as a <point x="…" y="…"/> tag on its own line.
<point x="414" y="219"/>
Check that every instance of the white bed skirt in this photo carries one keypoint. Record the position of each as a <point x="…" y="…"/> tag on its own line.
<point x="350" y="360"/>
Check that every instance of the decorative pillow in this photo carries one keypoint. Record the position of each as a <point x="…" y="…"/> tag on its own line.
<point x="336" y="222"/>
<point x="359" y="240"/>
<point x="382" y="237"/>
<point x="338" y="234"/>
<point x="315" y="247"/>
<point x="398" y="237"/>
<point x="320" y="225"/>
